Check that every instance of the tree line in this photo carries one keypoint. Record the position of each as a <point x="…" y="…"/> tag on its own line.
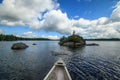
<point x="15" y="38"/>
<point x="104" y="39"/>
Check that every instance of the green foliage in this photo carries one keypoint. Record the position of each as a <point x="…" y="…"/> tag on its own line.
<point x="72" y="38"/>
<point x="14" y="38"/>
<point x="63" y="40"/>
<point x="7" y="37"/>
<point x="76" y="39"/>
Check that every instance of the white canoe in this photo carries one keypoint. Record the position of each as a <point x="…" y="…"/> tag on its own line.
<point x="58" y="72"/>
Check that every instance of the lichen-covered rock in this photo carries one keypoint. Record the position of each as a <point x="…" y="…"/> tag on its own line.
<point x="18" y="46"/>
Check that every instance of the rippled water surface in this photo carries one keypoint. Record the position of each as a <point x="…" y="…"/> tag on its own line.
<point x="88" y="63"/>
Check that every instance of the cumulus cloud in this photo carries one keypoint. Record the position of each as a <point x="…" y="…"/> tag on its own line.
<point x="115" y="17"/>
<point x="99" y="28"/>
<point x="54" y="37"/>
<point x="57" y="21"/>
<point x="29" y="34"/>
<point x="46" y="15"/>
<point x="12" y="23"/>
<point x="22" y="12"/>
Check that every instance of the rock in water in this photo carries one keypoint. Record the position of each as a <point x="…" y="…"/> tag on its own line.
<point x="18" y="46"/>
<point x="72" y="41"/>
<point x="34" y="44"/>
<point x="92" y="44"/>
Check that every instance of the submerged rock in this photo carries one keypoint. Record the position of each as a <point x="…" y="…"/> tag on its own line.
<point x="18" y="46"/>
<point x="92" y="44"/>
<point x="58" y="53"/>
<point x="34" y="44"/>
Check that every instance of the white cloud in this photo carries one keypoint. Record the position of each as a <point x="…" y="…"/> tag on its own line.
<point x="57" y="21"/>
<point x="81" y="22"/>
<point x="51" y="37"/>
<point x="27" y="12"/>
<point x="22" y="12"/>
<point x="12" y="23"/>
<point x="102" y="27"/>
<point x="29" y="34"/>
<point x="115" y="17"/>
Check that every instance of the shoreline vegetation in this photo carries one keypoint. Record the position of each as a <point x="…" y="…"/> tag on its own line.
<point x="104" y="39"/>
<point x="15" y="38"/>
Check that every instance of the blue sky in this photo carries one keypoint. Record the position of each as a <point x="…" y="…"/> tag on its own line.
<point x="89" y="18"/>
<point x="89" y="9"/>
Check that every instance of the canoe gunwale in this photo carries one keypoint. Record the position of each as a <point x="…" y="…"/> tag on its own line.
<point x="59" y="63"/>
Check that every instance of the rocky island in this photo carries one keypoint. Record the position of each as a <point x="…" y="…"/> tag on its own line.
<point x="73" y="40"/>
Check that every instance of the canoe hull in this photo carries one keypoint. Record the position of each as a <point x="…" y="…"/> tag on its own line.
<point x="58" y="72"/>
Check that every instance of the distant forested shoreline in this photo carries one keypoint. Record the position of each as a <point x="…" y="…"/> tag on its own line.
<point x="15" y="38"/>
<point x="104" y="39"/>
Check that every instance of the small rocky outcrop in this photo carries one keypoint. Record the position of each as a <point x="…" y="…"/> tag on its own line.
<point x="72" y="41"/>
<point x="92" y="44"/>
<point x="18" y="46"/>
<point x="34" y="44"/>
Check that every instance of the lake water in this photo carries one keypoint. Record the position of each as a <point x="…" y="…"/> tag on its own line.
<point x="88" y="63"/>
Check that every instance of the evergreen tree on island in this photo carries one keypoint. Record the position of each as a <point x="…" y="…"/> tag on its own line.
<point x="73" y="40"/>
